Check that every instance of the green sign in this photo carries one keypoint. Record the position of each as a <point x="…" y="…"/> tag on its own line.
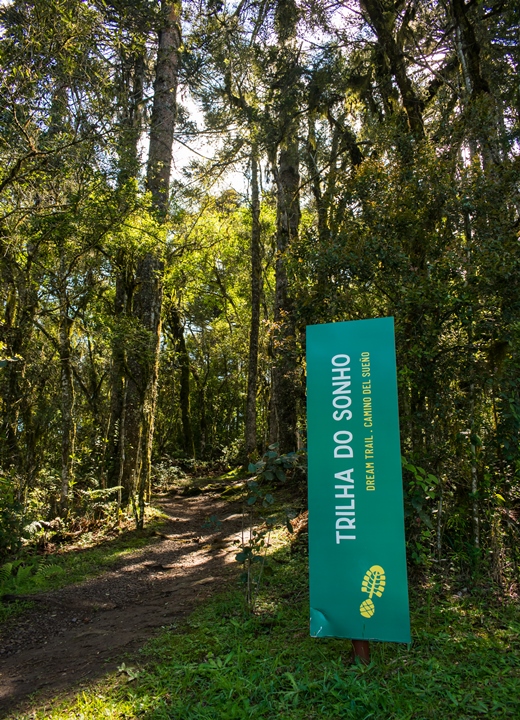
<point x="358" y="579"/>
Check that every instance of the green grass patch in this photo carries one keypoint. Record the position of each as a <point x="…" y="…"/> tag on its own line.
<point x="464" y="663"/>
<point x="11" y="610"/>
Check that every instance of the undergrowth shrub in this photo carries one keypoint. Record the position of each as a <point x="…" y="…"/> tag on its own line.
<point x="11" y="518"/>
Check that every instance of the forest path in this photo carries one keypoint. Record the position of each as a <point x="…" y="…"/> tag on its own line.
<point x="81" y="632"/>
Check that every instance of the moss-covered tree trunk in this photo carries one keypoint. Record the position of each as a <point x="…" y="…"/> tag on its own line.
<point x="287" y="177"/>
<point x="256" y="290"/>
<point x="143" y="354"/>
<point x="284" y="368"/>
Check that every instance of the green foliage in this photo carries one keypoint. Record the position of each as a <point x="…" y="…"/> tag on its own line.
<point x="255" y="542"/>
<point x="420" y="490"/>
<point x="408" y="180"/>
<point x="274" y="467"/>
<point x="21" y="576"/>
<point x="261" y="516"/>
<point x="100" y="503"/>
<point x="210" y="289"/>
<point x="11" y="518"/>
<point x="463" y="663"/>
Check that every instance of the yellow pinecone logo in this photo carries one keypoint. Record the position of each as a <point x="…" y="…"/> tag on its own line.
<point x="374" y="584"/>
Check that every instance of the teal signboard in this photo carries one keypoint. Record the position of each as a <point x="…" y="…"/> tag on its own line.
<point x="358" y="582"/>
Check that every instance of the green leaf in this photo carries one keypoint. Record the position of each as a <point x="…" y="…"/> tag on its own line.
<point x="426" y="520"/>
<point x="251" y="468"/>
<point x="417" y="502"/>
<point x="252" y="499"/>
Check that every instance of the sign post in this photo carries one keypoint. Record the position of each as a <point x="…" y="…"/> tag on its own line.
<point x="358" y="579"/>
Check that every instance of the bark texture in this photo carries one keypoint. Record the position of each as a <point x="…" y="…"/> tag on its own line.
<point x="164" y="107"/>
<point x="131" y="95"/>
<point x="143" y="355"/>
<point x="256" y="289"/>
<point x="68" y="427"/>
<point x="470" y="48"/>
<point x="286" y="172"/>
<point x="284" y="378"/>
<point x="177" y="330"/>
<point x="16" y="331"/>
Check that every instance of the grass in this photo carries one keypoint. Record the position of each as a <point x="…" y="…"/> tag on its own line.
<point x="222" y="664"/>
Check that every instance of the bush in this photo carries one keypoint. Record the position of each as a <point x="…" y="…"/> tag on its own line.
<point x="11" y="516"/>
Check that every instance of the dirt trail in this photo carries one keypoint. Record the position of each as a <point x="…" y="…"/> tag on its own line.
<point x="79" y="633"/>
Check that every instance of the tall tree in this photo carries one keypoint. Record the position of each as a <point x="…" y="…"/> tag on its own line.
<point x="256" y="296"/>
<point x="143" y="355"/>
<point x="287" y="178"/>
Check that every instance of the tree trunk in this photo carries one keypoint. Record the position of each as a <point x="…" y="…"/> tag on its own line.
<point x="380" y="21"/>
<point x="122" y="302"/>
<point x="21" y="302"/>
<point x="177" y="331"/>
<point x="483" y="114"/>
<point x="131" y="104"/>
<point x="470" y="48"/>
<point x="472" y="361"/>
<point x="287" y="177"/>
<point x="256" y="289"/>
<point x="164" y="107"/>
<point x="12" y="338"/>
<point x="68" y="427"/>
<point x="143" y="355"/>
<point x="284" y="385"/>
<point x="131" y="101"/>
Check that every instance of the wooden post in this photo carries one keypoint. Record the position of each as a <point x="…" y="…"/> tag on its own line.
<point x="361" y="650"/>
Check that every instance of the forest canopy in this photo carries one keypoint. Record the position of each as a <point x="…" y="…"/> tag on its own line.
<point x="185" y="187"/>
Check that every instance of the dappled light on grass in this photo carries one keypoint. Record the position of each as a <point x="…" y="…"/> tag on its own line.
<point x="224" y="663"/>
<point x="78" y="634"/>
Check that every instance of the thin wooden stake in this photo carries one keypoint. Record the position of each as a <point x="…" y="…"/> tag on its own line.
<point x="361" y="650"/>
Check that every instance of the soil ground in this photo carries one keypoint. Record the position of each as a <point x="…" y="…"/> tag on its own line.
<point x="79" y="633"/>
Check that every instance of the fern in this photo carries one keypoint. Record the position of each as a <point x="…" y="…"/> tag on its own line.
<point x="23" y="575"/>
<point x="5" y="573"/>
<point x="47" y="571"/>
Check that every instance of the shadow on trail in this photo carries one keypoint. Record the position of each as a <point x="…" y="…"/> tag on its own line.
<point x="79" y="633"/>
